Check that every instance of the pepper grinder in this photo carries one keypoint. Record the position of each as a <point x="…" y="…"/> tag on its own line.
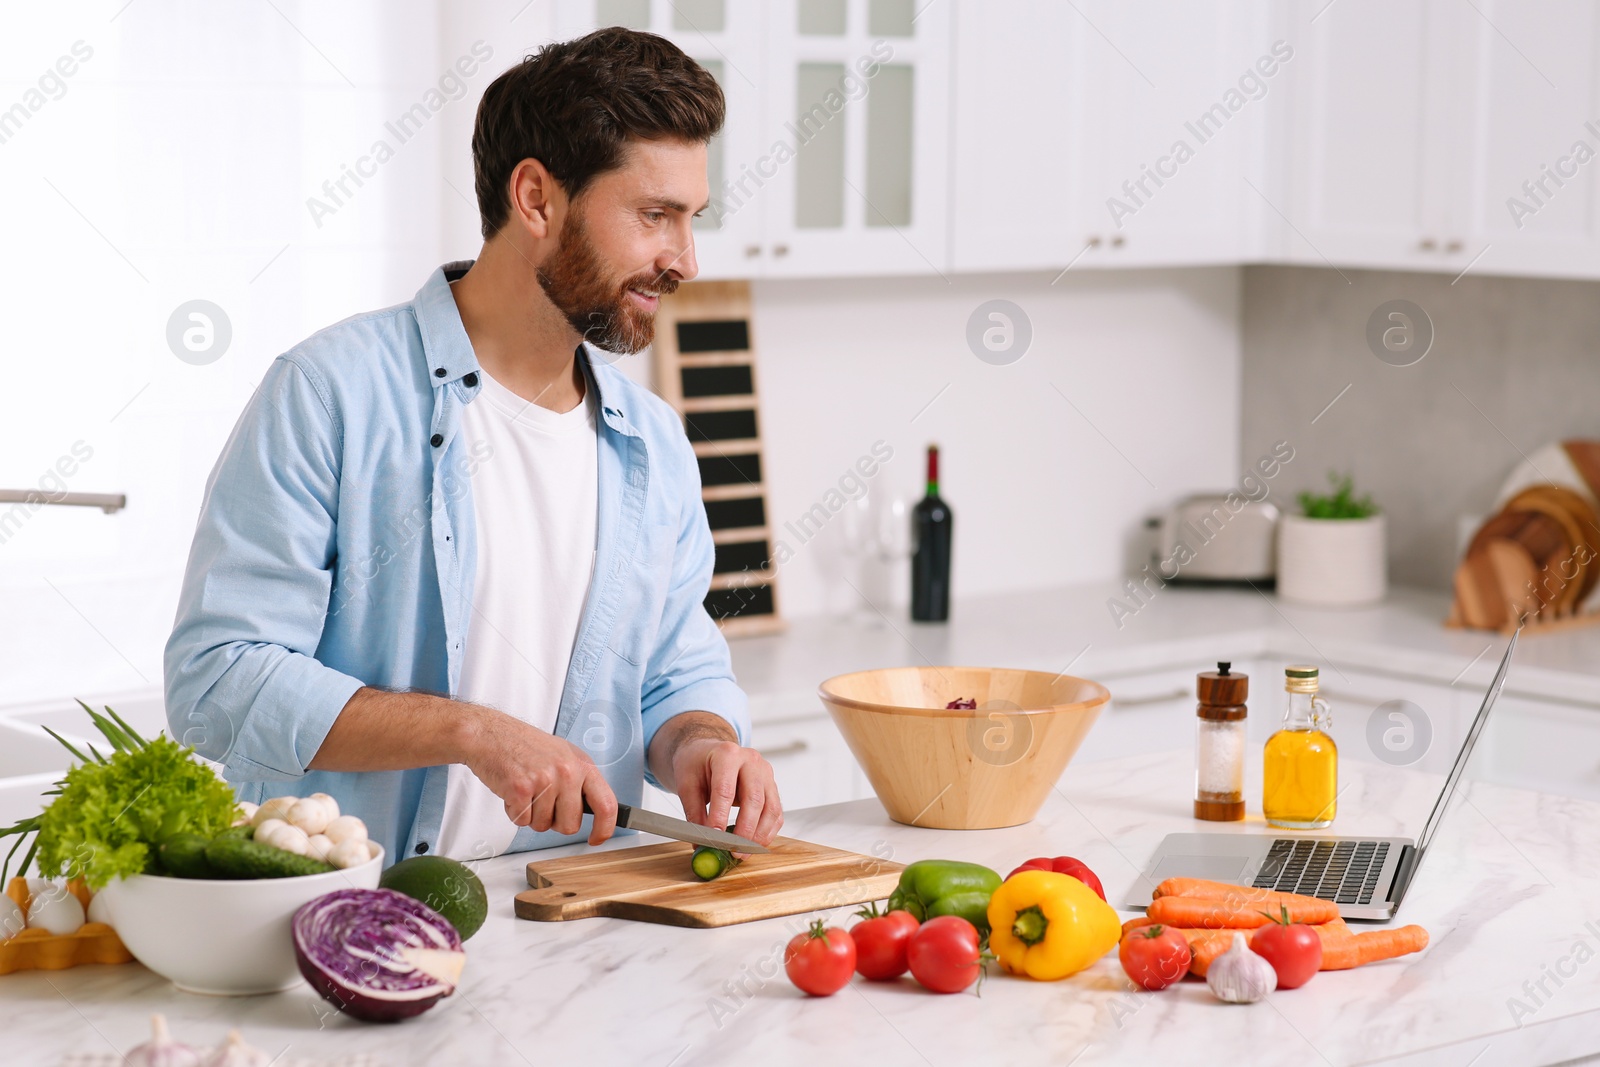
<point x="1220" y="744"/>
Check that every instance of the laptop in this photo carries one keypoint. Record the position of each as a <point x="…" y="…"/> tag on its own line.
<point x="1366" y="876"/>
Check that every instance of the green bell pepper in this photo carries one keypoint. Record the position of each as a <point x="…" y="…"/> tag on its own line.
<point x="931" y="888"/>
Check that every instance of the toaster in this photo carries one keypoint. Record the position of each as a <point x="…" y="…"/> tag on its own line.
<point x="1209" y="537"/>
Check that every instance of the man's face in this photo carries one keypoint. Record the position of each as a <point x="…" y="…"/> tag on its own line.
<point x="626" y="242"/>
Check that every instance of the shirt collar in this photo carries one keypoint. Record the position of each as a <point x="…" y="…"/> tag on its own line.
<point x="448" y="349"/>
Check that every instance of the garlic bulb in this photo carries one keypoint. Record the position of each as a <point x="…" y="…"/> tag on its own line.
<point x="310" y="815"/>
<point x="346" y="828"/>
<point x="237" y="1054"/>
<point x="161" y="1050"/>
<point x="1239" y="976"/>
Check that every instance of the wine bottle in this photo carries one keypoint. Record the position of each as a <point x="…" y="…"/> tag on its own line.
<point x="931" y="524"/>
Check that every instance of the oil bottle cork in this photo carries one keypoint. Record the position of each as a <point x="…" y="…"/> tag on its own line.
<point x="1220" y="744"/>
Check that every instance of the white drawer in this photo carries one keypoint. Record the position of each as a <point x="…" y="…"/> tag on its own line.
<point x="1531" y="744"/>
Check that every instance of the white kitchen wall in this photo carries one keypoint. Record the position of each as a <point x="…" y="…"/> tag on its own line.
<point x="175" y="162"/>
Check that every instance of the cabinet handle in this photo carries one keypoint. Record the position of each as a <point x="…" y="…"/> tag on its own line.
<point x="1094" y="241"/>
<point x="1453" y="246"/>
<point x="1427" y="244"/>
<point x="793" y="748"/>
<point x="1159" y="698"/>
<point x="1118" y="241"/>
<point x="780" y="250"/>
<point x="106" y="502"/>
<point x="752" y="251"/>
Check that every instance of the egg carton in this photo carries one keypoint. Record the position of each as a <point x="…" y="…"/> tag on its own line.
<point x="34" y="949"/>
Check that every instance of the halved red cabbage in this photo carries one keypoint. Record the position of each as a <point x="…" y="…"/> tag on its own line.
<point x="377" y="954"/>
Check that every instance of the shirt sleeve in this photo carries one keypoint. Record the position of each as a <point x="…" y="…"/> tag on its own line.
<point x="690" y="668"/>
<point x="242" y="684"/>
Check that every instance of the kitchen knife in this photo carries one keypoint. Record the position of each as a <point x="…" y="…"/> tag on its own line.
<point x="651" y="822"/>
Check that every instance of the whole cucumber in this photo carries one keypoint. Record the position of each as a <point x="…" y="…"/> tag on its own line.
<point x="184" y="856"/>
<point x="236" y="857"/>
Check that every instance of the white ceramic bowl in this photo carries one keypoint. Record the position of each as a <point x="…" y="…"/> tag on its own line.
<point x="224" y="937"/>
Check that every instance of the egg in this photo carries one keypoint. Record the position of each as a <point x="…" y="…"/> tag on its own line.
<point x="100" y="909"/>
<point x="11" y="918"/>
<point x="55" y="911"/>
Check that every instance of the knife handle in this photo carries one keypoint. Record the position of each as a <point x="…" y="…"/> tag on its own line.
<point x="623" y="811"/>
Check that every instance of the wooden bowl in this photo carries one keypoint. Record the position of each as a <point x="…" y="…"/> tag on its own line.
<point x="958" y="769"/>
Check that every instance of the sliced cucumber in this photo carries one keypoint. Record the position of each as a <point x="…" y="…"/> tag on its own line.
<point x="709" y="863"/>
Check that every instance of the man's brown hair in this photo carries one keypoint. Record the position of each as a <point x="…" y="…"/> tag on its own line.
<point x="574" y="105"/>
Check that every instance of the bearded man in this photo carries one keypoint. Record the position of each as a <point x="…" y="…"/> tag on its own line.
<point x="450" y="564"/>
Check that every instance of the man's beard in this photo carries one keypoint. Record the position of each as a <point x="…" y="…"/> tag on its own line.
<point x="595" y="306"/>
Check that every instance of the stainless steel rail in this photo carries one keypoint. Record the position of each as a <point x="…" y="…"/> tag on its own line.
<point x="106" y="502"/>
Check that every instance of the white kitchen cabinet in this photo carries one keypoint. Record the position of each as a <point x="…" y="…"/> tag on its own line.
<point x="1541" y="745"/>
<point x="1412" y="126"/>
<point x="1150" y="711"/>
<point x="835" y="154"/>
<point x="1531" y="198"/>
<point x="1068" y="119"/>
<point x="811" y="762"/>
<point x="1399" y="738"/>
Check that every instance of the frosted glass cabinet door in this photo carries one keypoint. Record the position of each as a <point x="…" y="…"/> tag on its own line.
<point x="855" y="137"/>
<point x="726" y="37"/>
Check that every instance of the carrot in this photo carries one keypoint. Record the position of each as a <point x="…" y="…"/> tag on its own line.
<point x="1205" y="946"/>
<point x="1352" y="950"/>
<point x="1198" y="913"/>
<point x="1239" y="896"/>
<point x="1135" y="923"/>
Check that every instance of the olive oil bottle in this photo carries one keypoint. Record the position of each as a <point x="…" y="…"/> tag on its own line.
<point x="1300" y="769"/>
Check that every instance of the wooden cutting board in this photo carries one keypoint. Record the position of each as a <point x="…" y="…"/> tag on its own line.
<point x="653" y="883"/>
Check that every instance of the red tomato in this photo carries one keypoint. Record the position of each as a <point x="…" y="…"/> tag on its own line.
<point x="1154" y="956"/>
<point x="1293" y="949"/>
<point x="881" y="943"/>
<point x="821" y="960"/>
<point x="1066" y="865"/>
<point x="943" y="954"/>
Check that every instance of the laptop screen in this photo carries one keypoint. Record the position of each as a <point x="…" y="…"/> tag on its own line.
<point x="1466" y="749"/>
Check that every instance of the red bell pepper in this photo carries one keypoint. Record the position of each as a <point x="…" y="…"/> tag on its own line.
<point x="1065" y="865"/>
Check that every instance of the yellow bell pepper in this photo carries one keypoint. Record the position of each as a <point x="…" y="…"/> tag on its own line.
<point x="1046" y="925"/>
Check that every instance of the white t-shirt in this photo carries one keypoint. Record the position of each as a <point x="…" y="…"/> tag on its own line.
<point x="534" y="496"/>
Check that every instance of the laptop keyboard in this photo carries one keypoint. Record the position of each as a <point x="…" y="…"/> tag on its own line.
<point x="1345" y="872"/>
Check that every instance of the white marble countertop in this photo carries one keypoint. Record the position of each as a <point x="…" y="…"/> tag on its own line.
<point x="1506" y="895"/>
<point x="1051" y="629"/>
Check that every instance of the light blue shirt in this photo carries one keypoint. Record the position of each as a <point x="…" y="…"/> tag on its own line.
<point x="336" y="549"/>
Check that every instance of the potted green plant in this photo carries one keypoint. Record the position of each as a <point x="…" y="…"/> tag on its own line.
<point x="1332" y="552"/>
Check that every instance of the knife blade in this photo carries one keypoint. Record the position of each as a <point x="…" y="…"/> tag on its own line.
<point x="651" y="822"/>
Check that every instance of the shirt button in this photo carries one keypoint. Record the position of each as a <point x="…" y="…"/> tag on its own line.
<point x="470" y="381"/>
<point x="422" y="846"/>
<point x="438" y="372"/>
<point x="436" y="440"/>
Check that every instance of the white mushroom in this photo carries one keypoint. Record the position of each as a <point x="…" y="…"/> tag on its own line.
<point x="276" y="808"/>
<point x="246" y="813"/>
<point x="348" y="854"/>
<point x="331" y="804"/>
<point x="310" y="815"/>
<point x="320" y="846"/>
<point x="346" y="828"/>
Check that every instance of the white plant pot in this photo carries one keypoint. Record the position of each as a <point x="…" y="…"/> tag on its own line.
<point x="1332" y="562"/>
